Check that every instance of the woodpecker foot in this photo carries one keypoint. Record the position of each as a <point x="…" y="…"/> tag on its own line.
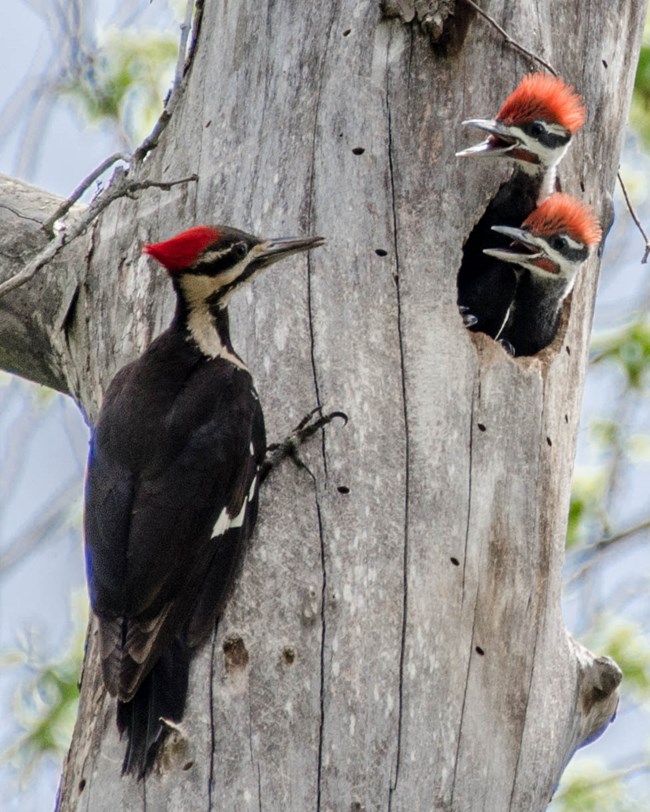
<point x="277" y="452"/>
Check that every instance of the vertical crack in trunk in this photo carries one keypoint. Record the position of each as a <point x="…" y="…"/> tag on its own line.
<point x="400" y="702"/>
<point x="476" y="396"/>
<point x="310" y="197"/>
<point x="211" y="701"/>
<point x="323" y="619"/>
<point x="462" y="712"/>
<point x="476" y="399"/>
<point x="312" y="351"/>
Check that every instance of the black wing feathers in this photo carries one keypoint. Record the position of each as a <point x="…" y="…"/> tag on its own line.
<point x="160" y="476"/>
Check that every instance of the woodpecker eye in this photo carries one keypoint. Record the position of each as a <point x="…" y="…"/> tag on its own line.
<point x="559" y="243"/>
<point x="241" y="249"/>
<point x="536" y="128"/>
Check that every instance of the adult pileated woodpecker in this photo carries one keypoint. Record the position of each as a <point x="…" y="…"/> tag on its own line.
<point x="534" y="129"/>
<point x="548" y="250"/>
<point x="171" y="490"/>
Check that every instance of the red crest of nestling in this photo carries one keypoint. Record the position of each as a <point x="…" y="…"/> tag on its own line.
<point x="184" y="249"/>
<point x="562" y="213"/>
<point x="540" y="96"/>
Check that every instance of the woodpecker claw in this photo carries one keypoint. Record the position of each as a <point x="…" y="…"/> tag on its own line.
<point x="277" y="452"/>
<point x="507" y="346"/>
<point x="469" y="319"/>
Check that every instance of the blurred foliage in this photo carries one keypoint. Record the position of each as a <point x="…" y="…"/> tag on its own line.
<point x="586" y="505"/>
<point x="45" y="704"/>
<point x="640" y="110"/>
<point x="629" y="348"/>
<point x="123" y="82"/>
<point x="591" y="787"/>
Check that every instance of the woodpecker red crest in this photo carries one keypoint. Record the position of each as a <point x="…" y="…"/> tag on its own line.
<point x="540" y="96"/>
<point x="184" y="249"/>
<point x="554" y="240"/>
<point x="562" y="213"/>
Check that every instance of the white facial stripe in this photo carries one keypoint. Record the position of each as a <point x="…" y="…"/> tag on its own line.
<point x="577" y="246"/>
<point x="554" y="129"/>
<point x="210" y="256"/>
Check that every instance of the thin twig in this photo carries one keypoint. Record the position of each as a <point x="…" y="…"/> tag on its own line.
<point x="510" y="40"/>
<point x="633" y="215"/>
<point x="151" y="141"/>
<point x="594" y="551"/>
<point x="186" y="27"/>
<point x="65" y="207"/>
<point x="603" y="544"/>
<point x="120" y="187"/>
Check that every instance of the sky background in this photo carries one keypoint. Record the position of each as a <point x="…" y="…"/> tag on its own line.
<point x="49" y="446"/>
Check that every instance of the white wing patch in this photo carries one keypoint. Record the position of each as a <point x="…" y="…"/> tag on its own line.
<point x="226" y="521"/>
<point x="222" y="523"/>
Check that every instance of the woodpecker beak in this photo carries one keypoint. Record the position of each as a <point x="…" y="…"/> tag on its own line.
<point x="501" y="140"/>
<point x="269" y="251"/>
<point x="533" y="246"/>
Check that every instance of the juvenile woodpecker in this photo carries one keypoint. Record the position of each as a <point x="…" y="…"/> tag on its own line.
<point x="171" y="489"/>
<point x="533" y="129"/>
<point x="548" y="250"/>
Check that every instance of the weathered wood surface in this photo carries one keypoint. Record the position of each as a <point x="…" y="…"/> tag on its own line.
<point x="395" y="639"/>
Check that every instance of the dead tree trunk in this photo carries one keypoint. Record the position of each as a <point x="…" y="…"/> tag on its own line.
<point x="395" y="640"/>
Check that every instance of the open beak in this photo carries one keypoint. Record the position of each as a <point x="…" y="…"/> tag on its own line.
<point x="532" y="247"/>
<point x="270" y="251"/>
<point x="501" y="141"/>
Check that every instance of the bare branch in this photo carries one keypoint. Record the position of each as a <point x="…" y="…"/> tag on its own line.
<point x="186" y="27"/>
<point x="120" y="187"/>
<point x="65" y="207"/>
<point x="594" y="551"/>
<point x="510" y="40"/>
<point x="633" y="214"/>
<point x="622" y="535"/>
<point x="151" y="141"/>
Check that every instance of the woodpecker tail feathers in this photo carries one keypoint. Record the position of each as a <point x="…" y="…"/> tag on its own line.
<point x="160" y="699"/>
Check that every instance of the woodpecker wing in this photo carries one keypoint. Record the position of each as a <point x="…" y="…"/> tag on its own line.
<point x="173" y="459"/>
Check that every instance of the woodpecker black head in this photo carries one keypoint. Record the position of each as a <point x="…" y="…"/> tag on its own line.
<point x="210" y="262"/>
<point x="534" y="126"/>
<point x="553" y="241"/>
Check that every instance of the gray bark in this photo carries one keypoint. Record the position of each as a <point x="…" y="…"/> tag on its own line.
<point x="395" y="639"/>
